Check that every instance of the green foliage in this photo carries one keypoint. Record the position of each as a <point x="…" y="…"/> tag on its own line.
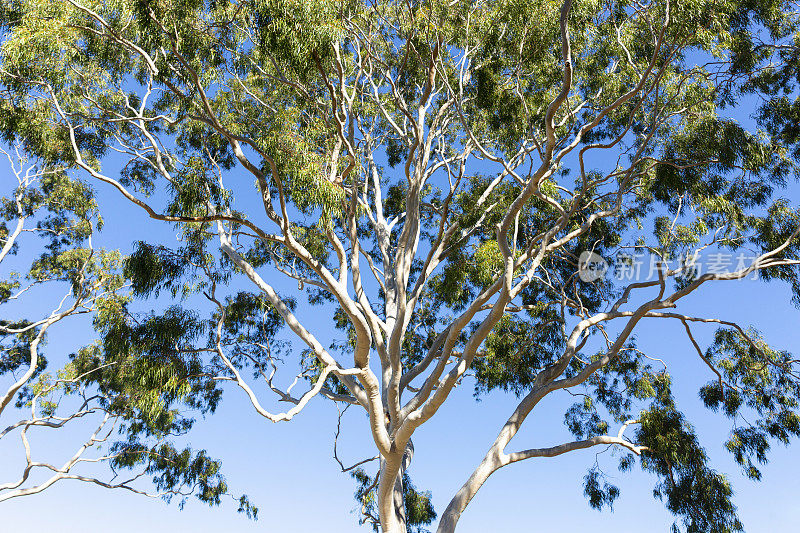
<point x="516" y="350"/>
<point x="174" y="469"/>
<point x="418" y="505"/>
<point x="758" y="390"/>
<point x="599" y="495"/>
<point x="701" y="496"/>
<point x="153" y="268"/>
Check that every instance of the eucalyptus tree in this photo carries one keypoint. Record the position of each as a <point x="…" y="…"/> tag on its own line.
<point x="447" y="181"/>
<point x="48" y="221"/>
<point x="45" y="201"/>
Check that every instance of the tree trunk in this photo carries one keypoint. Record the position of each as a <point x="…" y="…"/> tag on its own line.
<point x="450" y="517"/>
<point x="390" y="496"/>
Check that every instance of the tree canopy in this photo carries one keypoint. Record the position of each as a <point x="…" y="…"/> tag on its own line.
<point x="435" y="177"/>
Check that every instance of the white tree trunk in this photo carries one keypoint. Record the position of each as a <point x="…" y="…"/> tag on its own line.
<point x="452" y="513"/>
<point x="390" y="497"/>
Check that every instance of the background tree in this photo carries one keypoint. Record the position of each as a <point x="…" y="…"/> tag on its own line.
<point x="434" y="175"/>
<point x="127" y="409"/>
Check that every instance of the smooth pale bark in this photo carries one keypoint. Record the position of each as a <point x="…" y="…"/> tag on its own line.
<point x="452" y="513"/>
<point x="390" y="496"/>
<point x="391" y="503"/>
<point x="32" y="364"/>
